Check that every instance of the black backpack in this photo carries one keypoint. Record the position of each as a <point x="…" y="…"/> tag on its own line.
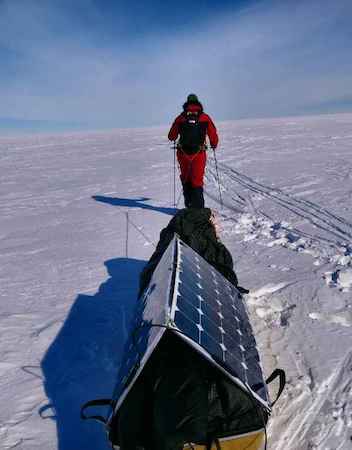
<point x="192" y="133"/>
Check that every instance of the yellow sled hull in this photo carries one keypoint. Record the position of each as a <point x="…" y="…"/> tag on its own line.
<point x="249" y="441"/>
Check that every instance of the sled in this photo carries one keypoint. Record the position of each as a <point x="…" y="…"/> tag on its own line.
<point x="190" y="301"/>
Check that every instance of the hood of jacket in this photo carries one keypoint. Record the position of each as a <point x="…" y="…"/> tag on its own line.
<point x="197" y="106"/>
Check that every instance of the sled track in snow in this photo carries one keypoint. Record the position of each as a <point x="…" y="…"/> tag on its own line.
<point x="320" y="217"/>
<point x="310" y="427"/>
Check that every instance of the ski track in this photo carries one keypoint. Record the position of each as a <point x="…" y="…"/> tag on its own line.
<point x="323" y="413"/>
<point x="315" y="214"/>
<point x="254" y="223"/>
<point x="318" y="216"/>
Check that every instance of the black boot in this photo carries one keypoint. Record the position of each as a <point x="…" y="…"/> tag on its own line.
<point x="197" y="198"/>
<point x="187" y="193"/>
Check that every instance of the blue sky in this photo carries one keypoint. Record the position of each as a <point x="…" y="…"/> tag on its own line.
<point x="127" y="63"/>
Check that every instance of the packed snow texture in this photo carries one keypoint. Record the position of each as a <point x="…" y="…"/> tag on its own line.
<point x="80" y="214"/>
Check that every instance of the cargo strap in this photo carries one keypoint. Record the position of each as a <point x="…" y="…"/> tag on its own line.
<point x="98" y="402"/>
<point x="216" y="442"/>
<point x="282" y="378"/>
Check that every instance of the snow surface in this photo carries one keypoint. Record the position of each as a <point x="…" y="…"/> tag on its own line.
<point x="69" y="268"/>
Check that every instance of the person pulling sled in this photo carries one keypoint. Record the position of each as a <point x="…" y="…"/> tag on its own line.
<point x="192" y="126"/>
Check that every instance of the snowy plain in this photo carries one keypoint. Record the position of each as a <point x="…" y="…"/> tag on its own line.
<point x="69" y="268"/>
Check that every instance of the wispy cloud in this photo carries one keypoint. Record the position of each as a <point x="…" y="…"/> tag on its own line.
<point x="276" y="57"/>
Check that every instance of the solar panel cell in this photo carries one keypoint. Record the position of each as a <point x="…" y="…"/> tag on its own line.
<point x="233" y="347"/>
<point x="212" y="328"/>
<point x="212" y="346"/>
<point x="186" y="292"/>
<point x="189" y="309"/>
<point x="187" y="326"/>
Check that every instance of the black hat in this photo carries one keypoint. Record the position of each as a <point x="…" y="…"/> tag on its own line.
<point x="192" y="98"/>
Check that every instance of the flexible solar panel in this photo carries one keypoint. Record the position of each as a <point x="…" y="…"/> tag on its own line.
<point x="190" y="297"/>
<point x="210" y="310"/>
<point x="151" y="311"/>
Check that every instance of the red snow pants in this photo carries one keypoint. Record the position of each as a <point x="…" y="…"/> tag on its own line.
<point x="192" y="167"/>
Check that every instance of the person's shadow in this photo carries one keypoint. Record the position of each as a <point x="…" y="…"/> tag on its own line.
<point x="134" y="203"/>
<point x="82" y="362"/>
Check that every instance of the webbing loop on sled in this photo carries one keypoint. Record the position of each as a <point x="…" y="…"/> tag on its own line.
<point x="282" y="380"/>
<point x="98" y="402"/>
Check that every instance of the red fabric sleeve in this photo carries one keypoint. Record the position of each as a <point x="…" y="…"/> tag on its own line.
<point x="174" y="130"/>
<point x="212" y="133"/>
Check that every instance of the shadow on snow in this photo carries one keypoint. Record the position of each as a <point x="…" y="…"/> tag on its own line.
<point x="82" y="362"/>
<point x="134" y="203"/>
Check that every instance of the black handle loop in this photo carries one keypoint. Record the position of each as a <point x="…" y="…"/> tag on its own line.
<point x="282" y="378"/>
<point x="276" y="373"/>
<point x="98" y="402"/>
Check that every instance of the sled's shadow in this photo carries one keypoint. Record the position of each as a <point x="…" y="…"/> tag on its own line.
<point x="82" y="362"/>
<point x="134" y="203"/>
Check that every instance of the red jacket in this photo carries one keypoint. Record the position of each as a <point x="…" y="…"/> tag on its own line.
<point x="195" y="107"/>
